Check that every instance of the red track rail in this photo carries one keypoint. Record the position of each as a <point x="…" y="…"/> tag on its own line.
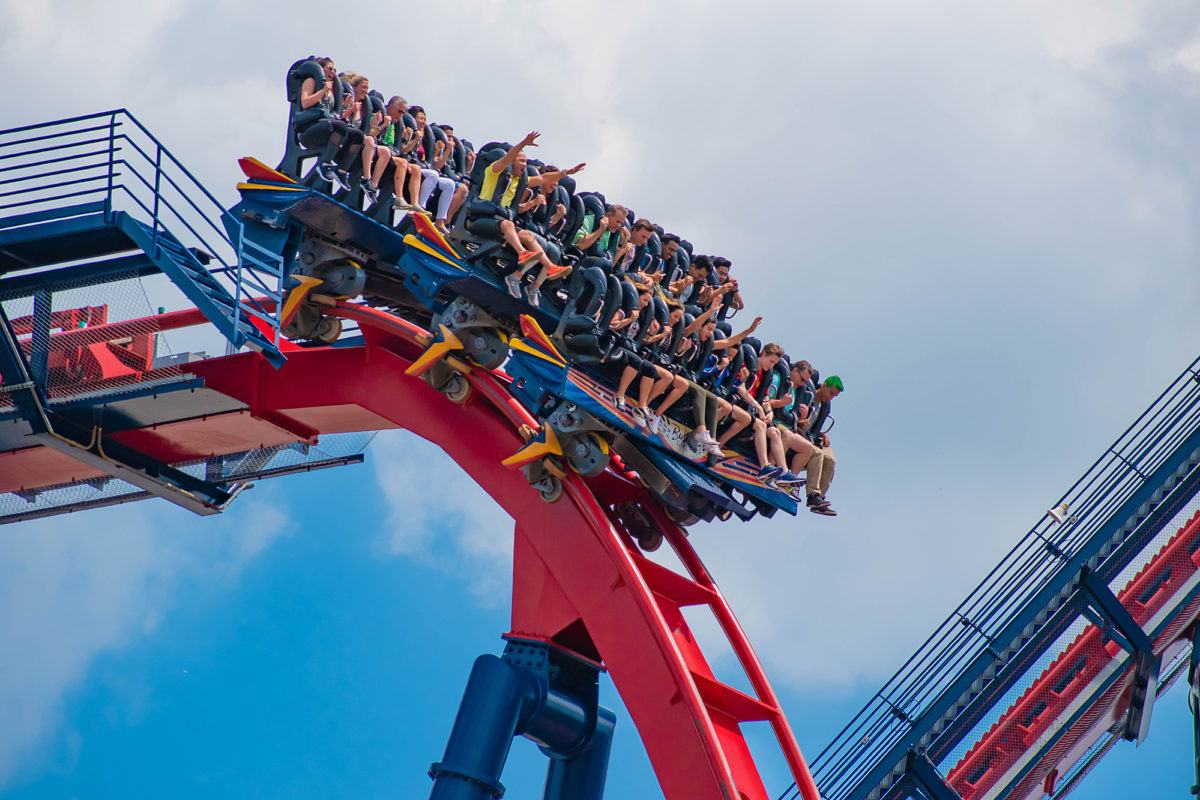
<point x="1169" y="574"/>
<point x="580" y="582"/>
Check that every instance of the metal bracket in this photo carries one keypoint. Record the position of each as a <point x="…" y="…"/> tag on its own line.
<point x="929" y="781"/>
<point x="1104" y="609"/>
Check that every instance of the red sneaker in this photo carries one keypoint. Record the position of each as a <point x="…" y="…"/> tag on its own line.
<point x="554" y="273"/>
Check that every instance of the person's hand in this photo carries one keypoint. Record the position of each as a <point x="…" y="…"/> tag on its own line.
<point x="802" y="414"/>
<point x="656" y="277"/>
<point x="824" y="440"/>
<point x="328" y="86"/>
<point x="561" y="210"/>
<point x="530" y="139"/>
<point x="541" y="200"/>
<point x="577" y="168"/>
<point x="754" y="325"/>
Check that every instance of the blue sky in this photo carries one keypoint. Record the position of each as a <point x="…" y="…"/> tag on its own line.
<point x="983" y="217"/>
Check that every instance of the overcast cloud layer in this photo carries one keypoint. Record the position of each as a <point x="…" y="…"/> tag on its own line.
<point x="981" y="216"/>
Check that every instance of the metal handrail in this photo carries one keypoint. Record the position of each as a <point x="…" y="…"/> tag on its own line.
<point x="134" y="159"/>
<point x="1034" y="563"/>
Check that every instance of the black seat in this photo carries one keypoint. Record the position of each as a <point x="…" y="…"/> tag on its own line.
<point x="295" y="153"/>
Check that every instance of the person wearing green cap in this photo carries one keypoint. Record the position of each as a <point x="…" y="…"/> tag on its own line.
<point x="823" y="462"/>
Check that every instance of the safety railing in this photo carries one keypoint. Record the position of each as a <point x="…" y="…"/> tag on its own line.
<point x="1155" y="456"/>
<point x="108" y="162"/>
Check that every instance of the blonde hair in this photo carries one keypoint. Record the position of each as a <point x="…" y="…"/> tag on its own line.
<point x="353" y="78"/>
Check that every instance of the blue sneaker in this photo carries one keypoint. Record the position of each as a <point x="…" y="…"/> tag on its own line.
<point x="789" y="478"/>
<point x="769" y="473"/>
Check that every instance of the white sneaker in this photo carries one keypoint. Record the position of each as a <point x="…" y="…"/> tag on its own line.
<point x="639" y="417"/>
<point x="652" y="421"/>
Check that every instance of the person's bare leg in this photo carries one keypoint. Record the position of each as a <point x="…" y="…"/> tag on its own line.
<point x="368" y="155"/>
<point x="398" y="176"/>
<point x="741" y="418"/>
<point x="627" y="376"/>
<point x="662" y="381"/>
<point x="644" y="395"/>
<point x="679" y="388"/>
<point x="460" y="196"/>
<point x="414" y="184"/>
<point x="513" y="239"/>
<point x="803" y="450"/>
<point x="760" y="442"/>
<point x="381" y="164"/>
<point x="778" y="456"/>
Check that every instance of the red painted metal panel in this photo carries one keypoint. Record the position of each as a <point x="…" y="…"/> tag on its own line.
<point x="572" y="566"/>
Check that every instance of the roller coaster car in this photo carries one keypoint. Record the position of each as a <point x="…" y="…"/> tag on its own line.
<point x="581" y="419"/>
<point x="333" y="252"/>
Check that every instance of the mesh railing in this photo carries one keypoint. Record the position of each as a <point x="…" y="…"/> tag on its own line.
<point x="108" y="162"/>
<point x="974" y="644"/>
<point x="96" y="341"/>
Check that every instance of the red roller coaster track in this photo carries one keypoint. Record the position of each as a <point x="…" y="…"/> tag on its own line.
<point x="580" y="581"/>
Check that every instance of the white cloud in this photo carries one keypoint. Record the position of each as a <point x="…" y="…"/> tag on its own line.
<point x="439" y="516"/>
<point x="75" y="587"/>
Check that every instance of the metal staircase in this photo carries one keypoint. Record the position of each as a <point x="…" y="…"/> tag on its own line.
<point x="84" y="190"/>
<point x="89" y="204"/>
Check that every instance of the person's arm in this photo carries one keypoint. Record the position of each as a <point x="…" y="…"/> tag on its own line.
<point x="508" y="159"/>
<point x="586" y="241"/>
<point x="700" y="320"/>
<point x="533" y="202"/>
<point x="749" y="399"/>
<point x="441" y="154"/>
<point x="678" y="286"/>
<point x="310" y="95"/>
<point x="560" y="211"/>
<point x="550" y="179"/>
<point x="738" y="337"/>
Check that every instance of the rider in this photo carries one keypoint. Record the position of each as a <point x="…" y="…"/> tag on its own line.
<point x="823" y="461"/>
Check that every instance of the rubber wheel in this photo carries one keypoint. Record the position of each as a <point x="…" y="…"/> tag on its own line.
<point x="650" y="541"/>
<point x="550" y="488"/>
<point x="588" y="454"/>
<point x="458" y="389"/>
<point x="328" y="330"/>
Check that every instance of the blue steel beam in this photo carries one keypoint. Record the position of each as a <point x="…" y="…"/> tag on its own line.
<point x="78" y="276"/>
<point x="928" y="780"/>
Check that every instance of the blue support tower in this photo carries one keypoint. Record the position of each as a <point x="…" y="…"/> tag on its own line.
<point x="539" y="692"/>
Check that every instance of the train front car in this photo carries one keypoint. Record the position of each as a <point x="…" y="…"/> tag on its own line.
<point x="332" y="251"/>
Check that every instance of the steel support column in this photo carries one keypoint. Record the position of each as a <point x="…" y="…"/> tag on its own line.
<point x="537" y="692"/>
<point x="929" y="781"/>
<point x="1105" y="610"/>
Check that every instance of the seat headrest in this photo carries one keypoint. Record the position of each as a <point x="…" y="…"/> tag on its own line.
<point x="299" y="72"/>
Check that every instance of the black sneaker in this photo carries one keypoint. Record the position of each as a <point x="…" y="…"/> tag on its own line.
<point x="370" y="190"/>
<point x="343" y="179"/>
<point x="819" y="505"/>
<point x="328" y="172"/>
